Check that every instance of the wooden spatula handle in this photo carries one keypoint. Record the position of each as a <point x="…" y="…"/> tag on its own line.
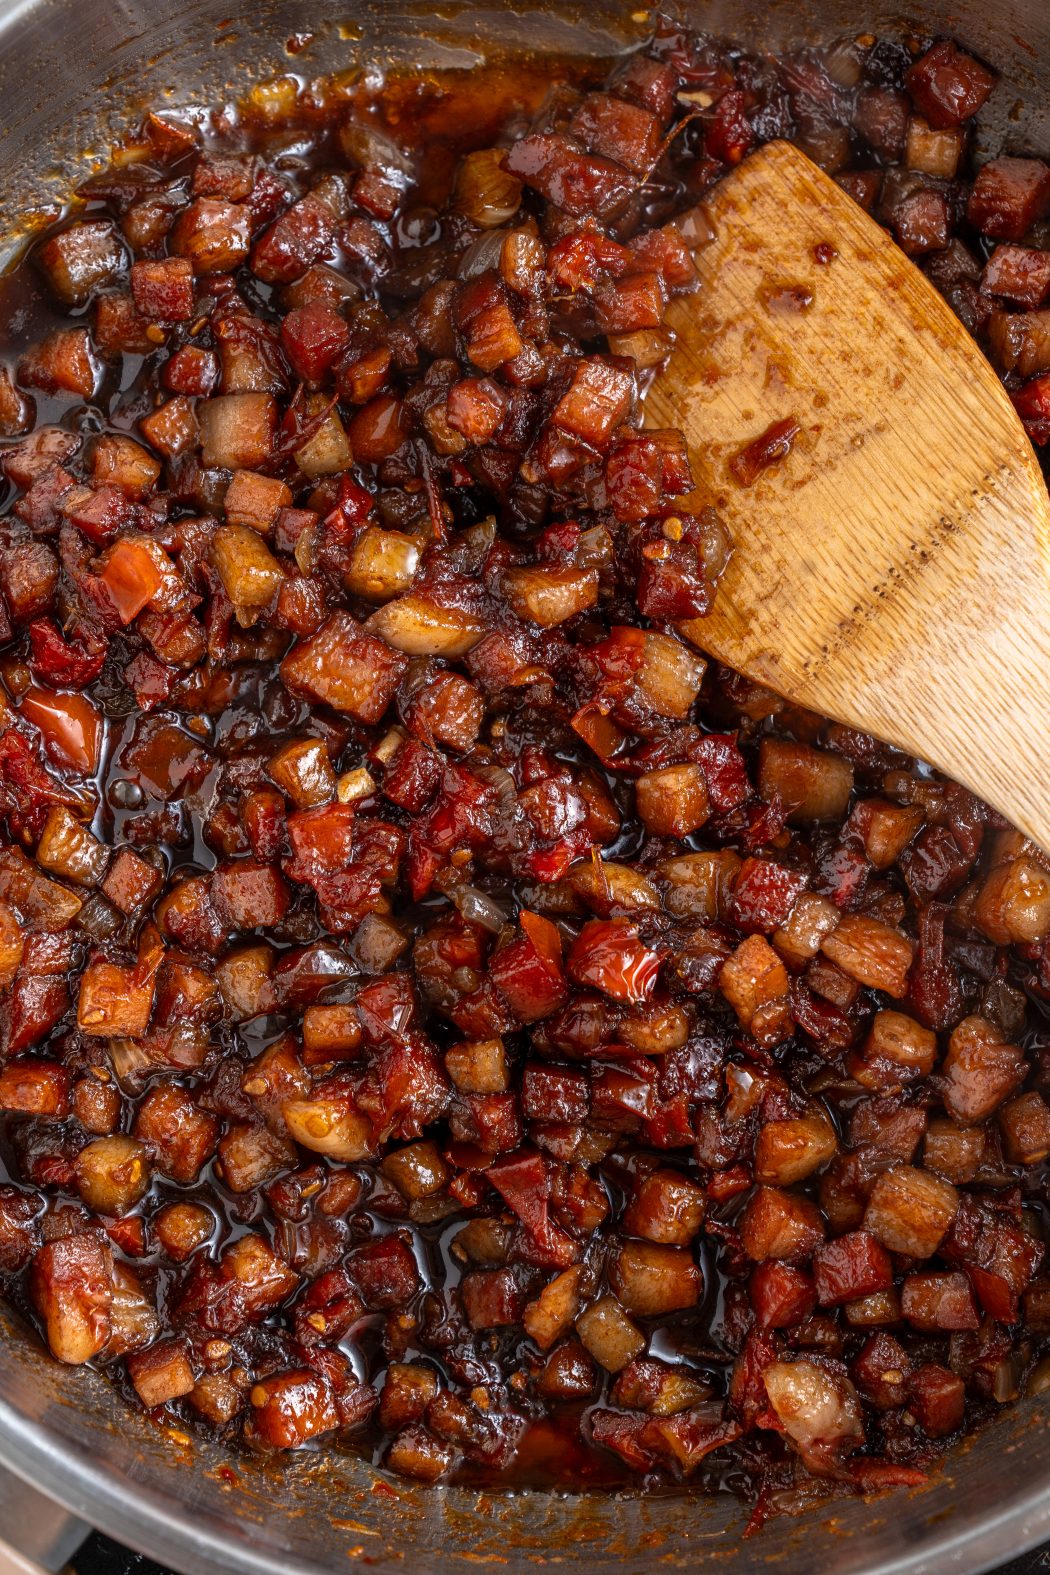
<point x="893" y="569"/>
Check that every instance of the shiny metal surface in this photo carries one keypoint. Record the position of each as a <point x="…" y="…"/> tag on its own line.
<point x="69" y="69"/>
<point x="44" y="1535"/>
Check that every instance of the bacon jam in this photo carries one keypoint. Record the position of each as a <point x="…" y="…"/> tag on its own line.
<point x="443" y="1014"/>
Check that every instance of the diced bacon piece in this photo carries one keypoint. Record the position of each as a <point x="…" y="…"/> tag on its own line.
<point x="475" y="408"/>
<point x="478" y="1066"/>
<point x="417" y="1171"/>
<point x="262" y="1280"/>
<point x="162" y="289"/>
<point x="237" y="430"/>
<point x="71" y="1285"/>
<point x="818" y="1410"/>
<point x="947" y="85"/>
<point x="871" y="952"/>
<point x="38" y="453"/>
<point x="1013" y="904"/>
<point x="630" y="305"/>
<point x="729" y="133"/>
<point x="1032" y="403"/>
<point x="118" y="461"/>
<point x="611" y="1337"/>
<point x="921" y="221"/>
<point x="63" y="363"/>
<point x="978" y="1071"/>
<point x="40" y="903"/>
<point x="161" y="1373"/>
<point x="954" y="1152"/>
<point x="674" y="801"/>
<point x="780" y="1225"/>
<point x="327" y="451"/>
<point x="668" y="681"/>
<point x="302" y="769"/>
<point x="172" y="428"/>
<point x="813" y="784"/>
<point x="781" y="1295"/>
<point x="288" y="1409"/>
<point x="298" y="238"/>
<point x="1025" y="1127"/>
<point x="598" y="400"/>
<point x="641" y="469"/>
<point x="345" y="667"/>
<point x="408" y="1388"/>
<point x="448" y="712"/>
<point x="931" y="152"/>
<point x="652" y="1279"/>
<point x="180" y="1136"/>
<point x="939" y="1303"/>
<point x="218" y="176"/>
<point x="552" y="1312"/>
<point x="619" y="130"/>
<point x="115" y="1001"/>
<point x="483" y="316"/>
<point x="1008" y="196"/>
<point x="17" y="410"/>
<point x="523" y="1180"/>
<point x="1020" y="341"/>
<point x="881" y="117"/>
<point x="666" y="1207"/>
<point x="885" y="828"/>
<point x="852" y="1266"/>
<point x="938" y="1398"/>
<point x="190" y="370"/>
<point x="911" y="1210"/>
<point x="249" y="894"/>
<point x="811" y="920"/>
<point x="130" y="882"/>
<point x="1020" y="274"/>
<point x="418" y="1454"/>
<point x="360" y="378"/>
<point x="313" y="337"/>
<point x="250" y="574"/>
<point x="32" y="1087"/>
<point x="897" y="1051"/>
<point x="791" y="1149"/>
<point x="79" y="259"/>
<point x="492" y="1298"/>
<point x="574" y="181"/>
<point x="255" y="500"/>
<point x="122" y="330"/>
<point x="12" y="941"/>
<point x="881" y="1370"/>
<point x="753" y="978"/>
<point x="764" y="895"/>
<point x="212" y="235"/>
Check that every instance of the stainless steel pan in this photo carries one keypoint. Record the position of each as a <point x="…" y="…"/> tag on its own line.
<point x="69" y="69"/>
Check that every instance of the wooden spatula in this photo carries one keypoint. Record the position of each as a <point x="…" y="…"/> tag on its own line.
<point x="892" y="561"/>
